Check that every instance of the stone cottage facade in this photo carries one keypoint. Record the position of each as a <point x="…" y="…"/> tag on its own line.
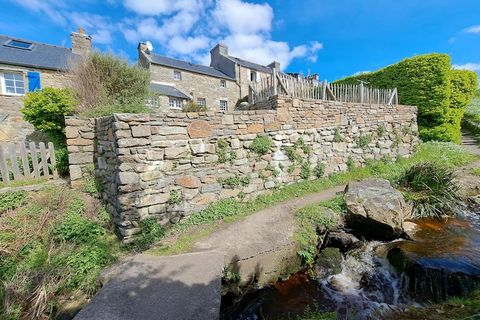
<point x="218" y="87"/>
<point x="27" y="66"/>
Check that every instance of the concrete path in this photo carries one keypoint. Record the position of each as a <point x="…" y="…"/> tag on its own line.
<point x="182" y="287"/>
<point x="188" y="286"/>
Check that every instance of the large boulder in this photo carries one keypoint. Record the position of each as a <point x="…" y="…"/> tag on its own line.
<point x="375" y="210"/>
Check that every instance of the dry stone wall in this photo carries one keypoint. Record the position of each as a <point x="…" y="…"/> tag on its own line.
<point x="168" y="165"/>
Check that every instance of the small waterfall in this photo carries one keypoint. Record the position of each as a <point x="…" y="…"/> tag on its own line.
<point x="367" y="285"/>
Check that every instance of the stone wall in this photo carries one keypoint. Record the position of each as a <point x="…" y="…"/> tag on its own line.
<point x="13" y="128"/>
<point x="198" y="86"/>
<point x="168" y="165"/>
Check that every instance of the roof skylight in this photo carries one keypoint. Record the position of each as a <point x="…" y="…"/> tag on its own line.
<point x="19" y="44"/>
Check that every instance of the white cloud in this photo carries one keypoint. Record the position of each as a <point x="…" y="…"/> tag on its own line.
<point x="473" y="29"/>
<point x="189" y="28"/>
<point x="361" y="72"/>
<point x="242" y="17"/>
<point x="99" y="25"/>
<point x="49" y="7"/>
<point x="468" y="66"/>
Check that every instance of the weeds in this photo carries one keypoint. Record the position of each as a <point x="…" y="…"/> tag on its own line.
<point x="261" y="145"/>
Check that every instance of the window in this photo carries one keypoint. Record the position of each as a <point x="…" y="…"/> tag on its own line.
<point x="253" y="76"/>
<point x="19" y="44"/>
<point x="201" y="102"/>
<point x="177" y="75"/>
<point x="223" y="105"/>
<point x="12" y="83"/>
<point x="223" y="83"/>
<point x="175" y="103"/>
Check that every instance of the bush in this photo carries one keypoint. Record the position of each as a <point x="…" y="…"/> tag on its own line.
<point x="431" y="188"/>
<point x="46" y="110"/>
<point x="428" y="82"/>
<point x="193" y="107"/>
<point x="261" y="145"/>
<point x="61" y="157"/>
<point x="105" y="84"/>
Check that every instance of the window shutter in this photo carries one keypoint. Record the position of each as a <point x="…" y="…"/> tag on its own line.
<point x="33" y="81"/>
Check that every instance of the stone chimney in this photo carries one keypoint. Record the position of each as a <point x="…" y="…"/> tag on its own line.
<point x="219" y="49"/>
<point x="142" y="47"/>
<point x="274" y="64"/>
<point x="81" y="42"/>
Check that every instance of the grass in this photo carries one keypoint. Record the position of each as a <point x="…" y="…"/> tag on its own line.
<point x="53" y="245"/>
<point x="453" y="309"/>
<point x="309" y="219"/>
<point x="313" y="313"/>
<point x="23" y="182"/>
<point x="476" y="171"/>
<point x="230" y="210"/>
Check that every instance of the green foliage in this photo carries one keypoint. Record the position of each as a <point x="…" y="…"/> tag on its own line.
<point x="319" y="170"/>
<point x="235" y="181"/>
<point x="300" y="143"/>
<point x="105" y="84"/>
<point x="431" y="188"/>
<point x="308" y="219"/>
<point x="230" y="276"/>
<point x="350" y="163"/>
<point x="261" y="145"/>
<point x="12" y="200"/>
<point x="51" y="245"/>
<point x="218" y="211"/>
<point x="337" y="137"/>
<point x="292" y="154"/>
<point x="275" y="172"/>
<point x="151" y="233"/>
<point x="46" y="110"/>
<point x="381" y="130"/>
<point x="315" y="314"/>
<point x="191" y="106"/>
<point x="224" y="153"/>
<point x="61" y="157"/>
<point x="363" y="140"/>
<point x="428" y="82"/>
<point x="305" y="170"/>
<point x="76" y="228"/>
<point x="175" y="197"/>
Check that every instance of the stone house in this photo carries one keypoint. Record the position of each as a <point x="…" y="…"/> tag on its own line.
<point x="218" y="87"/>
<point x="27" y="66"/>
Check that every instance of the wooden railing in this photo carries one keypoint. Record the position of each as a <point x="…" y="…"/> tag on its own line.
<point x="313" y="89"/>
<point x="19" y="163"/>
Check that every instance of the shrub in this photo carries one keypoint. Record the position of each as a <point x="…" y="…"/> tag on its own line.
<point x="175" y="197"/>
<point x="428" y="82"/>
<point x="431" y="188"/>
<point x="61" y="157"/>
<point x="364" y="140"/>
<point x="105" y="84"/>
<point x="46" y="110"/>
<point x="261" y="145"/>
<point x="319" y="170"/>
<point x="305" y="170"/>
<point x="337" y="137"/>
<point x="191" y="106"/>
<point x="244" y="99"/>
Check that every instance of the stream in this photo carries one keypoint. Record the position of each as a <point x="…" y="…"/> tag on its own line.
<point x="442" y="260"/>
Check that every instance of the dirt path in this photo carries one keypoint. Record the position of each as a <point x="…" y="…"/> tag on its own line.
<point x="468" y="181"/>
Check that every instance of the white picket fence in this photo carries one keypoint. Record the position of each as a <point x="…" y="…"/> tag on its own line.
<point x="281" y="83"/>
<point x="19" y="163"/>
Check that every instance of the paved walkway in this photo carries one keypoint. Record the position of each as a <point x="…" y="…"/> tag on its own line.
<point x="188" y="286"/>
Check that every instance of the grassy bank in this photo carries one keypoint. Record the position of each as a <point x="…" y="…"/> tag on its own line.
<point x="53" y="245"/>
<point x="203" y="223"/>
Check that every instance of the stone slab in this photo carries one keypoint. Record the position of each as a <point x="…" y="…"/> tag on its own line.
<point x="146" y="287"/>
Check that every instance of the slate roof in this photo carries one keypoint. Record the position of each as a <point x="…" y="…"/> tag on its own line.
<point x="168" y="90"/>
<point x="251" y="65"/>
<point x="42" y="56"/>
<point x="184" y="65"/>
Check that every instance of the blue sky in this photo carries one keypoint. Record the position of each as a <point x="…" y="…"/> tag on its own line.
<point x="333" y="38"/>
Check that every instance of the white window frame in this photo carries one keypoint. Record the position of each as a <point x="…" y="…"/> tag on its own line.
<point x="221" y="107"/>
<point x="204" y="102"/>
<point x="175" y="103"/>
<point x="3" y="87"/>
<point x="177" y="75"/>
<point x="223" y="83"/>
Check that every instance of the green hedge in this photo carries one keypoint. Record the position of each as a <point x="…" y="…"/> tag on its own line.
<point x="428" y="82"/>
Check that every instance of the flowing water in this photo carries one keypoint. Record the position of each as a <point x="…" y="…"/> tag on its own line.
<point x="443" y="260"/>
